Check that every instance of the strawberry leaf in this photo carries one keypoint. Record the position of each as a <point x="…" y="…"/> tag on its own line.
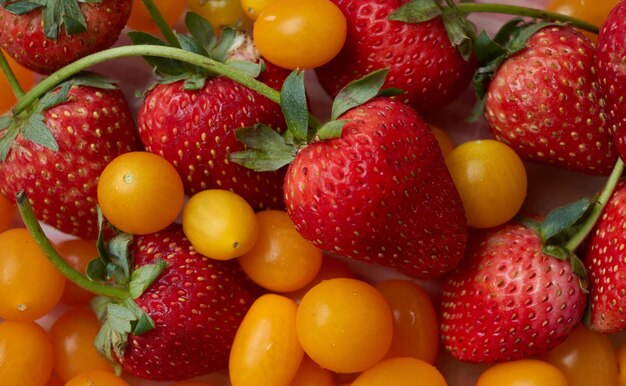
<point x="51" y="99"/>
<point x="268" y="150"/>
<point x="91" y="79"/>
<point x="461" y="32"/>
<point x="143" y="277"/>
<point x="416" y="11"/>
<point x="200" y="29"/>
<point x="163" y="66"/>
<point x="251" y="69"/>
<point x="118" y="266"/>
<point x="21" y="7"/>
<point x="6" y="141"/>
<point x="96" y="270"/>
<point x="227" y="38"/>
<point x="559" y="224"/>
<point x="294" y="105"/>
<point x="35" y="130"/>
<point x="358" y="92"/>
<point x="331" y="130"/>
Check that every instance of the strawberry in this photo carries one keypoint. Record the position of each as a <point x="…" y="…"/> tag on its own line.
<point x="509" y="300"/>
<point x="46" y="35"/>
<point x="544" y="101"/>
<point x="196" y="304"/>
<point x="420" y="56"/>
<point x="192" y="125"/>
<point x="612" y="73"/>
<point x="57" y="150"/>
<point x="604" y="259"/>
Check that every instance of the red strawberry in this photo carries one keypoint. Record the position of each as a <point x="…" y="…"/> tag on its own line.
<point x="91" y="128"/>
<point x="508" y="300"/>
<point x="196" y="304"/>
<point x="36" y="44"/>
<point x="421" y="59"/>
<point x="607" y="269"/>
<point x="544" y="102"/>
<point x="612" y="72"/>
<point x="195" y="131"/>
<point x="380" y="193"/>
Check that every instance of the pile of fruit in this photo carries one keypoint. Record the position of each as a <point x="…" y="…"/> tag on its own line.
<point x="268" y="193"/>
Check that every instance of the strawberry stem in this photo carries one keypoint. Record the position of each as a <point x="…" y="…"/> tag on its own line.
<point x="26" y="211"/>
<point x="164" y="27"/>
<point x="8" y="72"/>
<point x="525" y="11"/>
<point x="598" y="208"/>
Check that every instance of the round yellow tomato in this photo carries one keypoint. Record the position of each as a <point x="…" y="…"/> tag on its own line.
<point x="530" y="372"/>
<point x="591" y="11"/>
<point x="221" y="13"/>
<point x="140" y="193"/>
<point x="345" y="325"/>
<point x="266" y="351"/>
<point x="491" y="180"/>
<point x="401" y="371"/>
<point x="444" y="140"/>
<point x="30" y="286"/>
<point x="220" y="224"/>
<point x="97" y="378"/>
<point x="25" y="354"/>
<point x="311" y="374"/>
<point x="253" y="8"/>
<point x="281" y="259"/>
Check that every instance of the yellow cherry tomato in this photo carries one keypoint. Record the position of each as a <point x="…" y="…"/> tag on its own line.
<point x="586" y="358"/>
<point x="592" y="11"/>
<point x="525" y="372"/>
<point x="140" y="18"/>
<point x="491" y="180"/>
<point x="140" y="193"/>
<point x="300" y="34"/>
<point x="444" y="140"/>
<point x="72" y="337"/>
<point x="220" y="224"/>
<point x="7" y="213"/>
<point x="281" y="259"/>
<point x="221" y="13"/>
<point x="266" y="351"/>
<point x="30" y="286"/>
<point x="345" y="325"/>
<point x="415" y="328"/>
<point x="25" y="354"/>
<point x="97" y="378"/>
<point x="401" y="372"/>
<point x="78" y="253"/>
<point x="311" y="374"/>
<point x="253" y="8"/>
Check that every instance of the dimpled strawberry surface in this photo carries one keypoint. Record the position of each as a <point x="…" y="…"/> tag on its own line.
<point x="548" y="187"/>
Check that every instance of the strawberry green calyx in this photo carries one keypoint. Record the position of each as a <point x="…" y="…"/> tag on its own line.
<point x="56" y="14"/>
<point x="268" y="150"/>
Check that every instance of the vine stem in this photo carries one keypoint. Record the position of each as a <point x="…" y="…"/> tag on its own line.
<point x="8" y="72"/>
<point x="525" y="11"/>
<point x="598" y="208"/>
<point x="26" y="211"/>
<point x="164" y="27"/>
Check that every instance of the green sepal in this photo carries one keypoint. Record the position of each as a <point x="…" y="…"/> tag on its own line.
<point x="162" y="65"/>
<point x="143" y="277"/>
<point x="6" y="141"/>
<point x="416" y="11"/>
<point x="220" y="51"/>
<point x="267" y="149"/>
<point x="119" y="261"/>
<point x="21" y="7"/>
<point x="578" y="268"/>
<point x="331" y="130"/>
<point x="189" y="43"/>
<point x="51" y="99"/>
<point x="253" y="70"/>
<point x="36" y="131"/>
<point x="194" y="82"/>
<point x="391" y="92"/>
<point x="461" y="32"/>
<point x="561" y="223"/>
<point x="200" y="29"/>
<point x="358" y="92"/>
<point x="557" y="252"/>
<point x="294" y="106"/>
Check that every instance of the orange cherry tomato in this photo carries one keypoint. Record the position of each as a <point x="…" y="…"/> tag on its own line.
<point x="54" y="381"/>
<point x="288" y="33"/>
<point x="401" y="371"/>
<point x="191" y="383"/>
<point x="7" y="213"/>
<point x="331" y="268"/>
<point x="415" y="327"/>
<point x="72" y="337"/>
<point x="592" y="11"/>
<point x="25" y="354"/>
<point x="140" y="18"/>
<point x="30" y="286"/>
<point x="529" y="372"/>
<point x="221" y="13"/>
<point x="345" y="325"/>
<point x="281" y="260"/>
<point x="311" y="374"/>
<point x="586" y="357"/>
<point x="140" y="193"/>
<point x="253" y="8"/>
<point x="444" y="140"/>
<point x="78" y="253"/>
<point x="25" y="78"/>
<point x="97" y="378"/>
<point x="266" y="351"/>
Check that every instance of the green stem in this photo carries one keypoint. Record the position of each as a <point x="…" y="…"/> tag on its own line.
<point x="8" y="72"/>
<point x="525" y="11"/>
<point x="143" y="50"/>
<point x="598" y="208"/>
<point x="66" y="269"/>
<point x="163" y="25"/>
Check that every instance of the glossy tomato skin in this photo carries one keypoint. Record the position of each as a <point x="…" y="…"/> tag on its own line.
<point x="289" y="33"/>
<point x="97" y="378"/>
<point x="253" y="8"/>
<point x="530" y="372"/>
<point x="78" y="253"/>
<point x="592" y="11"/>
<point x="491" y="179"/>
<point x="266" y="351"/>
<point x="401" y="371"/>
<point x="22" y="263"/>
<point x="25" y="354"/>
<point x="221" y="13"/>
